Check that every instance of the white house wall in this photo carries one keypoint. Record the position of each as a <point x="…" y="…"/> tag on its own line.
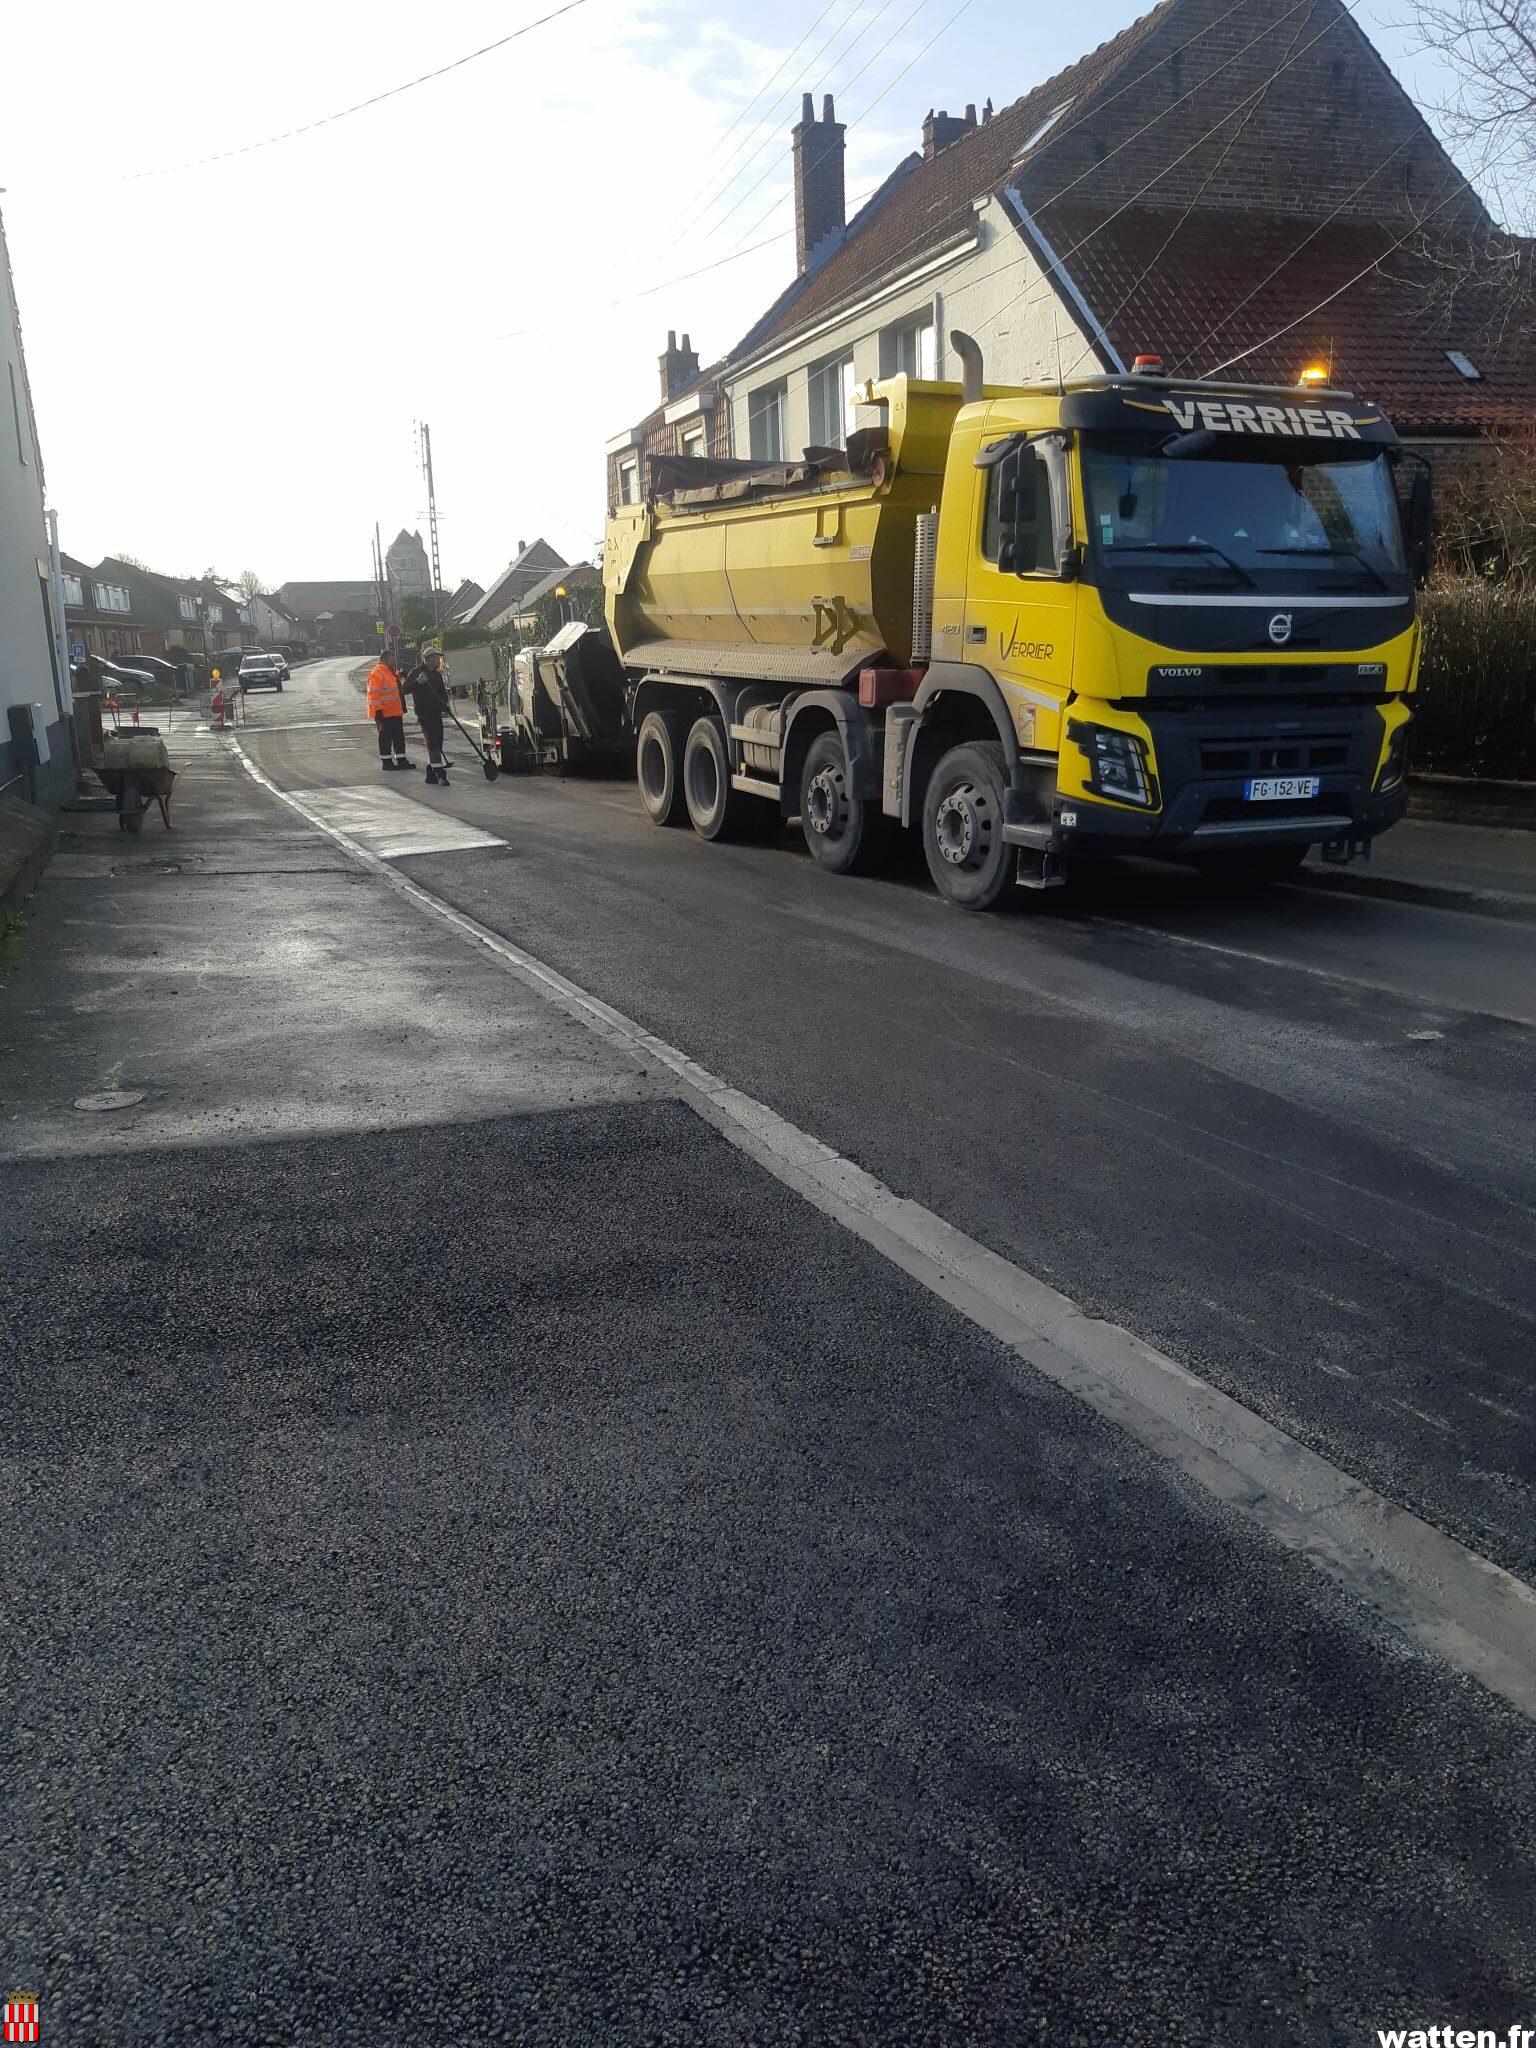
<point x="995" y="290"/>
<point x="26" y="660"/>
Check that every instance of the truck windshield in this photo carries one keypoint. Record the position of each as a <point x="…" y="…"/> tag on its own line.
<point x="1260" y="521"/>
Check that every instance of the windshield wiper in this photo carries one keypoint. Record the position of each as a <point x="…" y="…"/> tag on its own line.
<point x="1350" y="554"/>
<point x="1179" y="547"/>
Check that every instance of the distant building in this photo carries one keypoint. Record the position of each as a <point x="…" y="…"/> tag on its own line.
<point x="271" y="623"/>
<point x="567" y="581"/>
<point x="530" y="565"/>
<point x="407" y="567"/>
<point x="34" y="663"/>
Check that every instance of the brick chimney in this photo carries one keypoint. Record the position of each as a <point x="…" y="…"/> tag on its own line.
<point x="819" y="197"/>
<point x="941" y="129"/>
<point x="679" y="366"/>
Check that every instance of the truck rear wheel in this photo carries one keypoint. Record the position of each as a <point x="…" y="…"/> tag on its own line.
<point x="963" y="826"/>
<point x="659" y="765"/>
<point x="838" y="825"/>
<point x="707" y="780"/>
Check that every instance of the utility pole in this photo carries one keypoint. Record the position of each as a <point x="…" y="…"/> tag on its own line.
<point x="437" y="567"/>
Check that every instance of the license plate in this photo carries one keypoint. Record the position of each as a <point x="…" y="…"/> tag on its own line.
<point x="1271" y="789"/>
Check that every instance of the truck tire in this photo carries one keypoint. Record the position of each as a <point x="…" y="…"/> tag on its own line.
<point x="712" y="805"/>
<point x="659" y="765"/>
<point x="963" y="826"/>
<point x="840" y="828"/>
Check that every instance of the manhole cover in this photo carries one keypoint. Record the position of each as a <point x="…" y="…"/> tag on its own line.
<point x="112" y="1098"/>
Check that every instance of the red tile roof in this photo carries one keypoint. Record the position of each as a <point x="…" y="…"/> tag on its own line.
<point x="930" y="200"/>
<point x="1202" y="291"/>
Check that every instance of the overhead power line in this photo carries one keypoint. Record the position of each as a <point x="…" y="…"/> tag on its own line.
<point x="360" y="106"/>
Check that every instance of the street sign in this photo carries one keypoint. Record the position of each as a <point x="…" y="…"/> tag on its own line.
<point x="77" y="650"/>
<point x="378" y="626"/>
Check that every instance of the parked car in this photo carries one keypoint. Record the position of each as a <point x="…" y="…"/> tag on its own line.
<point x="170" y="673"/>
<point x="260" y="672"/>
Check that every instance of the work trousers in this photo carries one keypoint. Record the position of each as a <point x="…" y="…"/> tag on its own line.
<point x="391" y="738"/>
<point x="432" y="732"/>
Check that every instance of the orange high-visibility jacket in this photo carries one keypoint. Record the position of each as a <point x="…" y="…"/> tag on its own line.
<point x="385" y="697"/>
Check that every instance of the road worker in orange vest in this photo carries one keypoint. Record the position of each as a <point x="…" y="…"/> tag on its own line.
<point x="386" y="707"/>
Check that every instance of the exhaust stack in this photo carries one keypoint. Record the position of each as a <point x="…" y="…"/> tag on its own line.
<point x="969" y="352"/>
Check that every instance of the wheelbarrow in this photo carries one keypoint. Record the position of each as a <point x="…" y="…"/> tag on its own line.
<point x="137" y="770"/>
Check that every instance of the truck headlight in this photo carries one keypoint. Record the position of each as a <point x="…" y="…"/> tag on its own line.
<point x="1117" y="762"/>
<point x="1395" y="766"/>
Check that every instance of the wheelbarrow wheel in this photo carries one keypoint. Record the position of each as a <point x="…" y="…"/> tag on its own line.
<point x="491" y="765"/>
<point x="131" y="805"/>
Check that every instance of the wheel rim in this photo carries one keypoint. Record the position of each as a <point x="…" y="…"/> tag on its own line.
<point x="826" y="804"/>
<point x="703" y="781"/>
<point x="963" y="827"/>
<point x="653" y="768"/>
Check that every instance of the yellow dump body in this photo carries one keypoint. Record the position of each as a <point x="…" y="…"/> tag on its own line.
<point x="801" y="583"/>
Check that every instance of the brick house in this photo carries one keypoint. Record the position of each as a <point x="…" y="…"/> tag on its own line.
<point x="690" y="420"/>
<point x="117" y="609"/>
<point x="1244" y="189"/>
<point x="532" y="563"/>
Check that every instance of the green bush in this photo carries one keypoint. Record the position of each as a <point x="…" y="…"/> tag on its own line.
<point x="1476" y="709"/>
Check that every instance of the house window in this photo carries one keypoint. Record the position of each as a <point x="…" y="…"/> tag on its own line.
<point x="695" y="441"/>
<point x="830" y="388"/>
<point x="1043" y="130"/>
<point x="110" y="597"/>
<point x="74" y="591"/>
<point x="765" y="423"/>
<point x="215" y="615"/>
<point x="907" y="348"/>
<point x="187" y="607"/>
<point x="629" y="482"/>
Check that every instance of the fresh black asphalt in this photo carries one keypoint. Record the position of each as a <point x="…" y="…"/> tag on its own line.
<point x="1321" y="1197"/>
<point x="1286" y="1136"/>
<point x="536" y="1580"/>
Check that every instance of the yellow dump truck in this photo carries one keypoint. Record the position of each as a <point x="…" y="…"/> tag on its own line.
<point x="1127" y="615"/>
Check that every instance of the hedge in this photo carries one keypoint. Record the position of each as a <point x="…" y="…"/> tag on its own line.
<point x="1476" y="710"/>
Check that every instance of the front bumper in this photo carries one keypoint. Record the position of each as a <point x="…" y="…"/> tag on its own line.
<point x="1204" y="759"/>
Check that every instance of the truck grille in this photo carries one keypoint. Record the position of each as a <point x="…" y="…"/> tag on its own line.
<point x="1298" y="755"/>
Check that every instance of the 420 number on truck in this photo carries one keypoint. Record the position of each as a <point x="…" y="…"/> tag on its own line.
<point x="1129" y="614"/>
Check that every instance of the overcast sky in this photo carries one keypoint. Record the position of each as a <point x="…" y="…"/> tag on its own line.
<point x="228" y="360"/>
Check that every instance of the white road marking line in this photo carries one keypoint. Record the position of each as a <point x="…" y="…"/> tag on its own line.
<point x="390" y="824"/>
<point x="1452" y="1603"/>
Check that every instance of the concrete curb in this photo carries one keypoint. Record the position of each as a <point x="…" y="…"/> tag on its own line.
<point x="1433" y="895"/>
<point x="1464" y="800"/>
<point x="28" y="837"/>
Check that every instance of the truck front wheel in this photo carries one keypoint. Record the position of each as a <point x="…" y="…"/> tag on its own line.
<point x="838" y="826"/>
<point x="659" y="765"/>
<point x="963" y="826"/>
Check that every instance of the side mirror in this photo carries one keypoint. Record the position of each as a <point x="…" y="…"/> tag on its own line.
<point x="1051" y="449"/>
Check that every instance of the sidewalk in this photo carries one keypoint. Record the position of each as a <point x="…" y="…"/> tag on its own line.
<point x="1485" y="868"/>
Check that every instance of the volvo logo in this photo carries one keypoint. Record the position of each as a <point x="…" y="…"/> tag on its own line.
<point x="1280" y="628"/>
